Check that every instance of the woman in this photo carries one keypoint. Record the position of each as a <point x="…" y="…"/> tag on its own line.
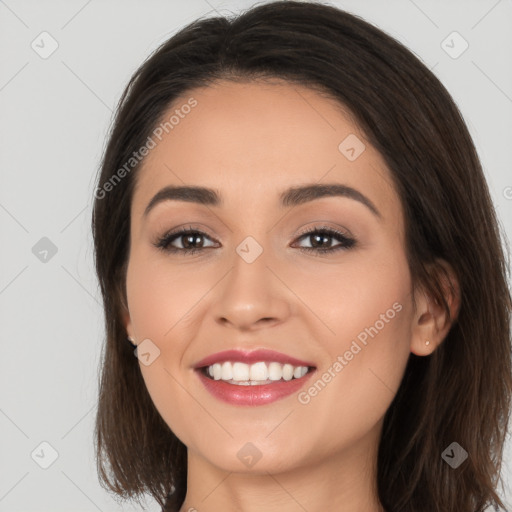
<point x="293" y="230"/>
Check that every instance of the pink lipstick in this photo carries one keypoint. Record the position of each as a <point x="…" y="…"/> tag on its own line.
<point x="227" y="376"/>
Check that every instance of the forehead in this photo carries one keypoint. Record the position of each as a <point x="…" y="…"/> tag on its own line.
<point x="253" y="139"/>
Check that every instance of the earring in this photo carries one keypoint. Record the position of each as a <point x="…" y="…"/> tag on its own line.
<point x="130" y="341"/>
<point x="427" y="342"/>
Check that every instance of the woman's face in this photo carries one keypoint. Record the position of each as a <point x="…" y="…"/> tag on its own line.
<point x="254" y="285"/>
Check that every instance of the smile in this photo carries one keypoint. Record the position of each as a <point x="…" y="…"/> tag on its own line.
<point x="256" y="384"/>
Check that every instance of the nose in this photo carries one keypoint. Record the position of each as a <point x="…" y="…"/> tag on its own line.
<point x="252" y="296"/>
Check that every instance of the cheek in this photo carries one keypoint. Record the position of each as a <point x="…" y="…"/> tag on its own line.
<point x="349" y="294"/>
<point x="362" y="328"/>
<point x="162" y="309"/>
<point x="161" y="300"/>
<point x="366" y="305"/>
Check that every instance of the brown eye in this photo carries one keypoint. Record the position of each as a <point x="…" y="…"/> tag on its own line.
<point x="320" y="237"/>
<point x="190" y="240"/>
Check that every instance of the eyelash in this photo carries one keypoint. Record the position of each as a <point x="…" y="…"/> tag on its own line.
<point x="346" y="242"/>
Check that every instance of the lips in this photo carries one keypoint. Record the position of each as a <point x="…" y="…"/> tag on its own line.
<point x="252" y="395"/>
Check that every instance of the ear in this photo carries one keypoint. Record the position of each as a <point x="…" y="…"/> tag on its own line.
<point x="128" y="325"/>
<point x="430" y="322"/>
<point x="125" y="315"/>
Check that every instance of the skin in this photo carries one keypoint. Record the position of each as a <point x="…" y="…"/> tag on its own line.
<point x="250" y="141"/>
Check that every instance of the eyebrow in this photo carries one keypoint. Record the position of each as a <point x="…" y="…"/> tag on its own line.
<point x="290" y="197"/>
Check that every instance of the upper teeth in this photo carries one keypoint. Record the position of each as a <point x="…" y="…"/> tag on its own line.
<point x="242" y="372"/>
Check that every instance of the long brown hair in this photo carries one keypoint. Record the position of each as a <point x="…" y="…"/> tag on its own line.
<point x="462" y="391"/>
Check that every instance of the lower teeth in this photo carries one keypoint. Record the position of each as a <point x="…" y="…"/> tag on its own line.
<point x="251" y="382"/>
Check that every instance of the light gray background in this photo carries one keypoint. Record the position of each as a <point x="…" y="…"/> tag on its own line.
<point x="55" y="113"/>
